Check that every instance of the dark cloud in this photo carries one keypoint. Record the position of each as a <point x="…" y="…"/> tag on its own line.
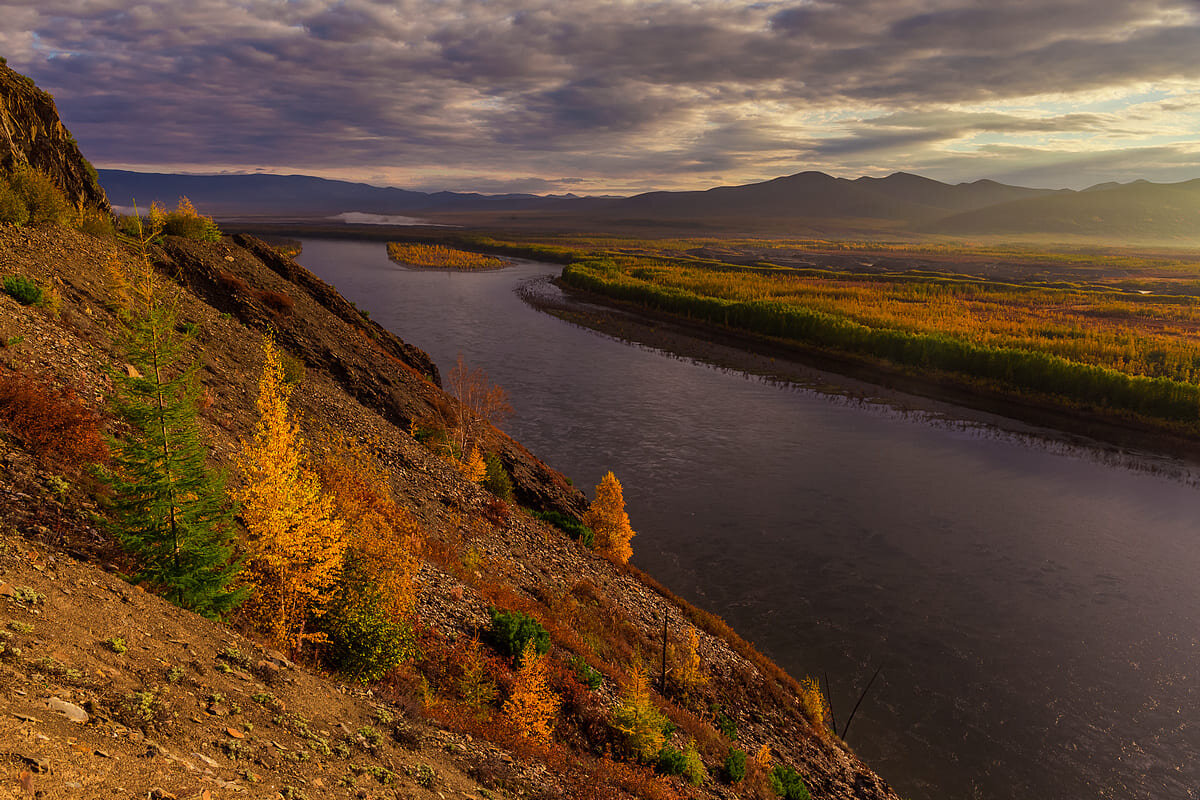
<point x="622" y="96"/>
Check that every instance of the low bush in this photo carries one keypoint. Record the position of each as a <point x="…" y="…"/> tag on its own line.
<point x="12" y="206"/>
<point x="185" y="221"/>
<point x="51" y="420"/>
<point x="735" y="765"/>
<point x="788" y="784"/>
<point x="496" y="478"/>
<point x="278" y="302"/>
<point x="44" y="201"/>
<point x="364" y="643"/>
<point x="25" y="291"/>
<point x="568" y="525"/>
<point x="510" y="631"/>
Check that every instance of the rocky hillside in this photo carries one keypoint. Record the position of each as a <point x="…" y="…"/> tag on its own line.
<point x="31" y="133"/>
<point x="62" y="601"/>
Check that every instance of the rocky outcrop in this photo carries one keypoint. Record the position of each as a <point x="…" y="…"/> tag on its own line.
<point x="32" y="134"/>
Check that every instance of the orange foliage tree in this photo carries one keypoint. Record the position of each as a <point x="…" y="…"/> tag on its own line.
<point x="384" y="539"/>
<point x="532" y="706"/>
<point x="296" y="543"/>
<point x="607" y="518"/>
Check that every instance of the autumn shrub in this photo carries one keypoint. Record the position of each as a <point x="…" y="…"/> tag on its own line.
<point x="185" y="221"/>
<point x="512" y="630"/>
<point x="278" y="302"/>
<point x="496" y="478"/>
<point x="51" y="420"/>
<point x="568" y="525"/>
<point x="495" y="510"/>
<point x="43" y="199"/>
<point x="96" y="223"/>
<point x="12" y="206"/>
<point x="232" y="283"/>
<point x="25" y="291"/>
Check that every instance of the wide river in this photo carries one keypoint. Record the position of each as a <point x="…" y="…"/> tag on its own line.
<point x="1035" y="606"/>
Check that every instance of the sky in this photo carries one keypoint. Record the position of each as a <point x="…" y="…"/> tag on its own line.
<point x="619" y="97"/>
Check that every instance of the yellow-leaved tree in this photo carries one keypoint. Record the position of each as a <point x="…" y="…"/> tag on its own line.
<point x="638" y="718"/>
<point x="607" y="518"/>
<point x="689" y="674"/>
<point x="296" y="543"/>
<point x="532" y="705"/>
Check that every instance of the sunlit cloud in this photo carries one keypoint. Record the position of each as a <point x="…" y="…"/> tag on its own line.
<point x="573" y="95"/>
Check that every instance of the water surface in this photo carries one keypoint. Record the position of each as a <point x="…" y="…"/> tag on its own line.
<point x="1034" y="605"/>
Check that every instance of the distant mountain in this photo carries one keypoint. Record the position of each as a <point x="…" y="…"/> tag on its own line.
<point x="296" y="195"/>
<point x="900" y="197"/>
<point x="1138" y="210"/>
<point x="900" y="201"/>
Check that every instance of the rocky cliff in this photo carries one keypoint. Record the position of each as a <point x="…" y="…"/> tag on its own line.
<point x="31" y="133"/>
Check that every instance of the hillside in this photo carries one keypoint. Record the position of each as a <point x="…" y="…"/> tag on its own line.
<point x="363" y="382"/>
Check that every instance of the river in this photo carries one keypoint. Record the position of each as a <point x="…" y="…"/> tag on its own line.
<point x="1034" y="605"/>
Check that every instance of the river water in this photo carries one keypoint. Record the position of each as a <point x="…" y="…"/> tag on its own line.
<point x="1034" y="605"/>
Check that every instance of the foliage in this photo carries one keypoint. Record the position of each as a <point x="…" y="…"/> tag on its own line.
<point x="440" y="256"/>
<point x="185" y="221"/>
<point x="51" y="420"/>
<point x="295" y="542"/>
<point x="532" y="706"/>
<point x="568" y="525"/>
<point x="689" y="674"/>
<point x="24" y="290"/>
<point x="607" y="518"/>
<point x="638" y="719"/>
<point x="171" y="512"/>
<point x="511" y="633"/>
<point x="12" y="206"/>
<point x="587" y="676"/>
<point x="43" y="200"/>
<point x="384" y="540"/>
<point x="735" y="765"/>
<point x="814" y="703"/>
<point x="365" y="642"/>
<point x="496" y="478"/>
<point x="472" y="466"/>
<point x="1128" y="353"/>
<point x="476" y="686"/>
<point x="788" y="784"/>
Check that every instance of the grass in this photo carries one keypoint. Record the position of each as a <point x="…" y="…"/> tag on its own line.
<point x="437" y="256"/>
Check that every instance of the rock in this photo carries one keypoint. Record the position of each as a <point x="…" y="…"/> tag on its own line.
<point x="26" y="781"/>
<point x="162" y="794"/>
<point x="69" y="710"/>
<point x="38" y="763"/>
<point x="7" y="590"/>
<point x="208" y="762"/>
<point x="235" y="733"/>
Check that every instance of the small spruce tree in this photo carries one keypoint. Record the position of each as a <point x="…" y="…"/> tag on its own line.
<point x="172" y="512"/>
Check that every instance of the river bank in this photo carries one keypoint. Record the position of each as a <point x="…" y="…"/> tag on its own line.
<point x="774" y="358"/>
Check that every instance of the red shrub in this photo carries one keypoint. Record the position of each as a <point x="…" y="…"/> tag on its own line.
<point x="51" y="420"/>
<point x="278" y="302"/>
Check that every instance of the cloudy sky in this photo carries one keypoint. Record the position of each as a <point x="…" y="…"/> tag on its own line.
<point x="623" y="96"/>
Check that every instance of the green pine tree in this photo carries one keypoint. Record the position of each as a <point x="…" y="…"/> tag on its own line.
<point x="172" y="512"/>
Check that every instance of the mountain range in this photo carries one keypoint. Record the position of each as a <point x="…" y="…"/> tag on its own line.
<point x="899" y="202"/>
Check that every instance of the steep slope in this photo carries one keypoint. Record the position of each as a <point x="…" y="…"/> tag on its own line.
<point x="31" y="133"/>
<point x="362" y="382"/>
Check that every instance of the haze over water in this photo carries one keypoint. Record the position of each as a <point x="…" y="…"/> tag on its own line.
<point x="1033" y="606"/>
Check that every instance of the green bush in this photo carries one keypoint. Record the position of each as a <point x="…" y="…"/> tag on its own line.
<point x="191" y="226"/>
<point x="12" y="206"/>
<point x="364" y="643"/>
<point x="512" y="629"/>
<point x="686" y="763"/>
<point x="24" y="290"/>
<point x="45" y="201"/>
<point x="735" y="765"/>
<point x="587" y="676"/>
<point x="568" y="525"/>
<point x="496" y="479"/>
<point x="788" y="784"/>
